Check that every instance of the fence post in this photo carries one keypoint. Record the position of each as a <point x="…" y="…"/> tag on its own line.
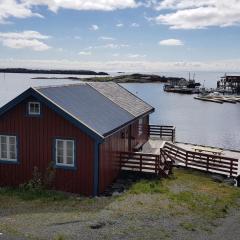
<point x="207" y="163"/>
<point x="231" y="168"/>
<point x="186" y="158"/>
<point x="141" y="163"/>
<point x="160" y="131"/>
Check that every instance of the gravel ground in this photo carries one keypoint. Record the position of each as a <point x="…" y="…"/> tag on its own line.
<point x="138" y="213"/>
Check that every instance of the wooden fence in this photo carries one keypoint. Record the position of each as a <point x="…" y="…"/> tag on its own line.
<point x="162" y="131"/>
<point x="206" y="162"/>
<point x="149" y="163"/>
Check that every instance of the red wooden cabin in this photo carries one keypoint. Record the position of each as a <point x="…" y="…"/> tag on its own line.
<point x="80" y="128"/>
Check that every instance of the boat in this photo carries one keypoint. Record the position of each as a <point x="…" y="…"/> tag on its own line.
<point x="208" y="99"/>
<point x="181" y="85"/>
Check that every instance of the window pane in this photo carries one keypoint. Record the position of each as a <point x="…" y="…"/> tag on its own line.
<point x="12" y="140"/>
<point x="3" y="154"/>
<point x="12" y="148"/>
<point x="37" y="108"/>
<point x="3" y="147"/>
<point x="12" y="155"/>
<point x="60" y="159"/>
<point x="59" y="144"/>
<point x="60" y="152"/>
<point x="69" y="160"/>
<point x="32" y="108"/>
<point x="3" y="139"/>
<point x="69" y="149"/>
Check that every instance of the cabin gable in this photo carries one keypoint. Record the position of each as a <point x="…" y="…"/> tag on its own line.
<point x="35" y="140"/>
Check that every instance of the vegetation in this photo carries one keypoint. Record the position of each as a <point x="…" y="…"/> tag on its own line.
<point x="185" y="204"/>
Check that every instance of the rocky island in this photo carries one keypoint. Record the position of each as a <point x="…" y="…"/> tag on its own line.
<point x="53" y="71"/>
<point x="129" y="78"/>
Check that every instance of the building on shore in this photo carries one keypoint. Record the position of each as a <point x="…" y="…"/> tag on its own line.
<point x="229" y="84"/>
<point x="78" y="129"/>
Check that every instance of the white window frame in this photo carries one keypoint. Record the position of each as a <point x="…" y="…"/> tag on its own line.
<point x="34" y="113"/>
<point x="8" y="158"/>
<point x="140" y="126"/>
<point x="65" y="164"/>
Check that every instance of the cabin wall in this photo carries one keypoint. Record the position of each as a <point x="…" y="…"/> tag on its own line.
<point x="109" y="166"/>
<point x="35" y="148"/>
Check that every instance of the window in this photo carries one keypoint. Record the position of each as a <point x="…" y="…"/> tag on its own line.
<point x="8" y="148"/>
<point x="140" y="127"/>
<point x="34" y="108"/>
<point x="65" y="153"/>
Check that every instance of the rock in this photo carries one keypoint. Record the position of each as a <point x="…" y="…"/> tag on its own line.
<point x="116" y="194"/>
<point x="230" y="181"/>
<point x="218" y="178"/>
<point x="97" y="225"/>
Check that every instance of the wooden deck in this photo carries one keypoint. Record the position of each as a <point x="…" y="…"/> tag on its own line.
<point x="227" y="163"/>
<point x="160" y="153"/>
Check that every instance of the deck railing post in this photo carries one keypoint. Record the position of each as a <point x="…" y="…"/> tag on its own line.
<point x="231" y="168"/>
<point x="141" y="163"/>
<point x="186" y="158"/>
<point x="207" y="163"/>
<point x="160" y="131"/>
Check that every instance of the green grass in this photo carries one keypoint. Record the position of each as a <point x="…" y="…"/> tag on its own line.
<point x="192" y="191"/>
<point x="29" y="195"/>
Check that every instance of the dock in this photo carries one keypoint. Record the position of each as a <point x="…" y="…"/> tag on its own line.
<point x="219" y="99"/>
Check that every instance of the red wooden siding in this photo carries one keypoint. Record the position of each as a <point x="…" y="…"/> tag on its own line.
<point x="35" y="148"/>
<point x="113" y="145"/>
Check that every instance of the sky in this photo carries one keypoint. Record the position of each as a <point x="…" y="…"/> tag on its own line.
<point x="121" y="35"/>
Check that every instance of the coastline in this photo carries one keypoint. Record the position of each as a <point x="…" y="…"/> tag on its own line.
<point x="129" y="78"/>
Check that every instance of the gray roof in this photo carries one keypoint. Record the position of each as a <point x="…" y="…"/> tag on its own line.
<point x="88" y="106"/>
<point x="122" y="97"/>
<point x="101" y="107"/>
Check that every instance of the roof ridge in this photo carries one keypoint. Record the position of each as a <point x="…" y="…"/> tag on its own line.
<point x="60" y="85"/>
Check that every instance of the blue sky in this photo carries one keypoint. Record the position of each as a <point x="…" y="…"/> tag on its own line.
<point x="121" y="35"/>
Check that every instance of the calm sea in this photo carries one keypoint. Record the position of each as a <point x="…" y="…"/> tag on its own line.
<point x="196" y="121"/>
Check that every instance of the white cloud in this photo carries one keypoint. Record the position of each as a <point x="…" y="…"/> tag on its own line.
<point x="171" y="42"/>
<point x="84" y="53"/>
<point x="135" y="25"/>
<point x="26" y="39"/>
<point x="197" y="14"/>
<point x="24" y="8"/>
<point x="114" y="46"/>
<point x="136" y="56"/>
<point x="116" y="55"/>
<point x="106" y="38"/>
<point x="13" y="8"/>
<point x="94" y="27"/>
<point x="119" y="25"/>
<point x="77" y="37"/>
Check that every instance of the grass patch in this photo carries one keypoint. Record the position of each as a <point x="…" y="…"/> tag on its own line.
<point x="192" y="192"/>
<point x="30" y="195"/>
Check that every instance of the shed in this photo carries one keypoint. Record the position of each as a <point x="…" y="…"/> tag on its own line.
<point x="79" y="128"/>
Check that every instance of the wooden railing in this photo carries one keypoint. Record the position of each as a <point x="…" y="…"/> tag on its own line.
<point x="142" y="162"/>
<point x="206" y="162"/>
<point x="162" y="131"/>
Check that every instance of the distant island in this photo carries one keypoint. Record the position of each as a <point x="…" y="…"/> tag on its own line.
<point x="44" y="71"/>
<point x="130" y="78"/>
